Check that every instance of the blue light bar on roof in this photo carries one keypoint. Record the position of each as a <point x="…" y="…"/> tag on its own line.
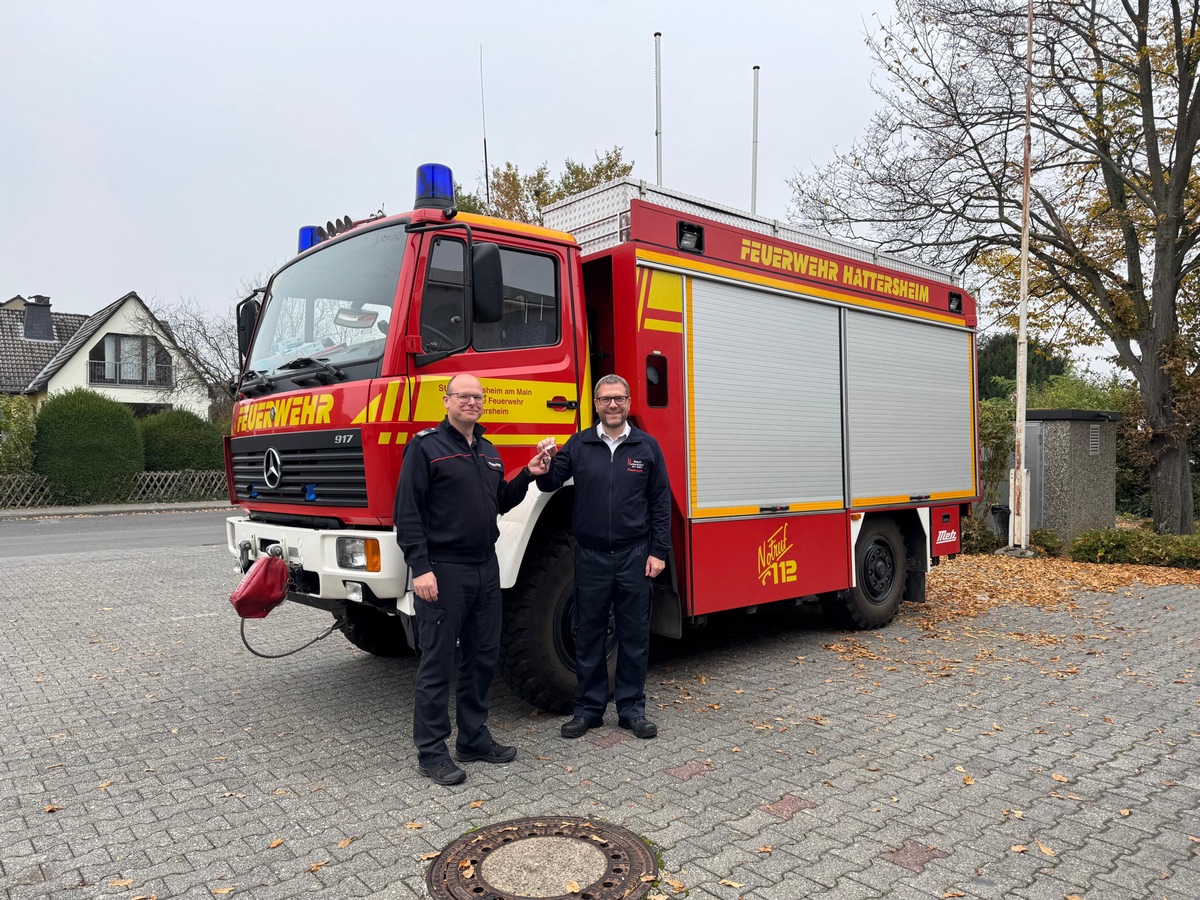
<point x="435" y="187"/>
<point x="308" y="237"/>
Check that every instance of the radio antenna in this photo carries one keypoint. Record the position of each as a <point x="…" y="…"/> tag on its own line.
<point x="487" y="173"/>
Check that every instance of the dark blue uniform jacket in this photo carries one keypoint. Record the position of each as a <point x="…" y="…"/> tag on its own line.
<point x="449" y="496"/>
<point x="621" y="499"/>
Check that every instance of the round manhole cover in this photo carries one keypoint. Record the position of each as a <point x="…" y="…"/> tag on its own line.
<point x="561" y="857"/>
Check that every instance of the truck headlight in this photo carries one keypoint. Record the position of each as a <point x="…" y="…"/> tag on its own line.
<point x="358" y="553"/>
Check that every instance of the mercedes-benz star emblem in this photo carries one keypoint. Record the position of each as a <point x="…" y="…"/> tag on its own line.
<point x="272" y="468"/>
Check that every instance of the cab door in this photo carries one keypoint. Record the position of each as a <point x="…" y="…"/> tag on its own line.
<point x="527" y="362"/>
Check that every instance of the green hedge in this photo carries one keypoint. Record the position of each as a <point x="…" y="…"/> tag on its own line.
<point x="16" y="435"/>
<point x="177" y="439"/>
<point x="87" y="446"/>
<point x="1135" y="546"/>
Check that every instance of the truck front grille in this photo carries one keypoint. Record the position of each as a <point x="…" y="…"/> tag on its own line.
<point x="320" y="468"/>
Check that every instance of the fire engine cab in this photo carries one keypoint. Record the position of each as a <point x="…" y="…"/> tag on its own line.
<point x="815" y="402"/>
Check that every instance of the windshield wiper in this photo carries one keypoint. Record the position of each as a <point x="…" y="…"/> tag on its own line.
<point x="253" y="383"/>
<point x="326" y="374"/>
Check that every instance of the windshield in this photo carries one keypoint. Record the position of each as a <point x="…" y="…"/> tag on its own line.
<point x="334" y="305"/>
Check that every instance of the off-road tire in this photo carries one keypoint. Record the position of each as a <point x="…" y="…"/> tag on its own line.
<point x="537" y="657"/>
<point x="375" y="632"/>
<point x="879" y="568"/>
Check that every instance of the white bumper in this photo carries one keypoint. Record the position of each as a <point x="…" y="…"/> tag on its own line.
<point x="316" y="552"/>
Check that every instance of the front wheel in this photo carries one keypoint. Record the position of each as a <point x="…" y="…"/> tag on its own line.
<point x="879" y="569"/>
<point x="538" y="648"/>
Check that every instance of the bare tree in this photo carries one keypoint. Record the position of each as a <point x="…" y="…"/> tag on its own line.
<point x="1115" y="206"/>
<point x="207" y="339"/>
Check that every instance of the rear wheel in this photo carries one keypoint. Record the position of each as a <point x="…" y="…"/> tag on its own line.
<point x="538" y="649"/>
<point x="879" y="567"/>
<point x="375" y="632"/>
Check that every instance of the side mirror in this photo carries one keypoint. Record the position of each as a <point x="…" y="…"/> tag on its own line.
<point x="247" y="318"/>
<point x="487" y="278"/>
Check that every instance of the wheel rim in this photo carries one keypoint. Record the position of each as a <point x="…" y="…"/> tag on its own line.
<point x="878" y="570"/>
<point x="564" y="630"/>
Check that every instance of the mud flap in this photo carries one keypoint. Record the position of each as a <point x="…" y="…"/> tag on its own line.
<point x="914" y="586"/>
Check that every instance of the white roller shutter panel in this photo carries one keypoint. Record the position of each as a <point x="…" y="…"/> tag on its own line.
<point x="766" y="399"/>
<point x="911" y="422"/>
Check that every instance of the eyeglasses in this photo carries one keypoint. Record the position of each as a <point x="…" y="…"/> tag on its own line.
<point x="609" y="401"/>
<point x="469" y="398"/>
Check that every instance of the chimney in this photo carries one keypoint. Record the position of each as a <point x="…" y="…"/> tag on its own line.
<point x="38" y="324"/>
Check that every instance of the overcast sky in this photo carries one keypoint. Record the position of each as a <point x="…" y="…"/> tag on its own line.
<point x="175" y="149"/>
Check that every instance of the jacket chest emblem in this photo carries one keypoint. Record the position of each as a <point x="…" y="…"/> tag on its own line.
<point x="494" y="464"/>
<point x="637" y="466"/>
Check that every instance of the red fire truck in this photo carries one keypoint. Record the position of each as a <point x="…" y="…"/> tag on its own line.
<point x="815" y="402"/>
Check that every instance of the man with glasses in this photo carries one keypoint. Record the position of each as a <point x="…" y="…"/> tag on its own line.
<point x="451" y="489"/>
<point x="622" y="522"/>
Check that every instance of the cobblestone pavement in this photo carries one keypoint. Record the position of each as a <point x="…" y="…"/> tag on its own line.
<point x="146" y="753"/>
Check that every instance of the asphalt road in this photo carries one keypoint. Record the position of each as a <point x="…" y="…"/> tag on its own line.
<point x="1029" y="753"/>
<point x="91" y="534"/>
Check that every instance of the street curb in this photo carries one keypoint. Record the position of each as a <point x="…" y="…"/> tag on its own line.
<point x="115" y="509"/>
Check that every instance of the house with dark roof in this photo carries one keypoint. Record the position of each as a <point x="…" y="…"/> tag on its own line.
<point x="123" y="351"/>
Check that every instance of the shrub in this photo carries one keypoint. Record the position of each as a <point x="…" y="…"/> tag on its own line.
<point x="978" y="537"/>
<point x="178" y="439"/>
<point x="1136" y="546"/>
<point x="1045" y="541"/>
<point x="16" y="435"/>
<point x="87" y="446"/>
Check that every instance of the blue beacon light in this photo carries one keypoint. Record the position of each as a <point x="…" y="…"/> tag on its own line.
<point x="435" y="187"/>
<point x="308" y="237"/>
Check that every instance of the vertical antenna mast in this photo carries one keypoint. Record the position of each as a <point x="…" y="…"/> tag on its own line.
<point x="754" y="154"/>
<point x="658" y="101"/>
<point x="487" y="173"/>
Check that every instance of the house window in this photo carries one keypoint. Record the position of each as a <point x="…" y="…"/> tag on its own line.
<point x="130" y="359"/>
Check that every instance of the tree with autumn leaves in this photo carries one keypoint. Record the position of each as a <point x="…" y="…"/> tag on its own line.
<point x="521" y="197"/>
<point x="1115" y="198"/>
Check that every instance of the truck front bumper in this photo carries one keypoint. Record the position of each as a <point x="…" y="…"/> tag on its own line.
<point x="316" y="553"/>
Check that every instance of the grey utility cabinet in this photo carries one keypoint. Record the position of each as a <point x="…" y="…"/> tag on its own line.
<point x="1071" y="455"/>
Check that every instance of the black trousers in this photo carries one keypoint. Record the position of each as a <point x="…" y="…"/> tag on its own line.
<point x="466" y="613"/>
<point x="615" y="581"/>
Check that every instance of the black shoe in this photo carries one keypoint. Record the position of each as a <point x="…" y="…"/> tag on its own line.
<point x="641" y="727"/>
<point x="496" y="753"/>
<point x="444" y="772"/>
<point x="577" y="727"/>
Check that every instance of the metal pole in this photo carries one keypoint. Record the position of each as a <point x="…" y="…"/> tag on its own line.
<point x="487" y="175"/>
<point x="754" y="156"/>
<point x="658" y="100"/>
<point x="1020" y="528"/>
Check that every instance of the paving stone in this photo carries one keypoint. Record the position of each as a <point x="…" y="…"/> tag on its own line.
<point x="196" y="768"/>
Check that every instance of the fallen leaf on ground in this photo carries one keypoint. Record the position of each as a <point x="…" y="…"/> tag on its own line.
<point x="953" y="894"/>
<point x="676" y="886"/>
<point x="1063" y="778"/>
<point x="51" y="808"/>
<point x="766" y="848"/>
<point x="734" y="884"/>
<point x="968" y="780"/>
<point x="1124" y="812"/>
<point x="342" y="845"/>
<point x="124" y="882"/>
<point x="1046" y="849"/>
<point x="434" y="855"/>
<point x="317" y="867"/>
<point x="1018" y="848"/>
<point x="223" y="890"/>
<point x="475" y="804"/>
<point x="468" y="870"/>
<point x="275" y="843"/>
<point x="573" y="887"/>
<point x="413" y="825"/>
<point x="104" y="785"/>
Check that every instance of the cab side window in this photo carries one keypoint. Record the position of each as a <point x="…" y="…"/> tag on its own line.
<point x="531" y="304"/>
<point x="443" y="305"/>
